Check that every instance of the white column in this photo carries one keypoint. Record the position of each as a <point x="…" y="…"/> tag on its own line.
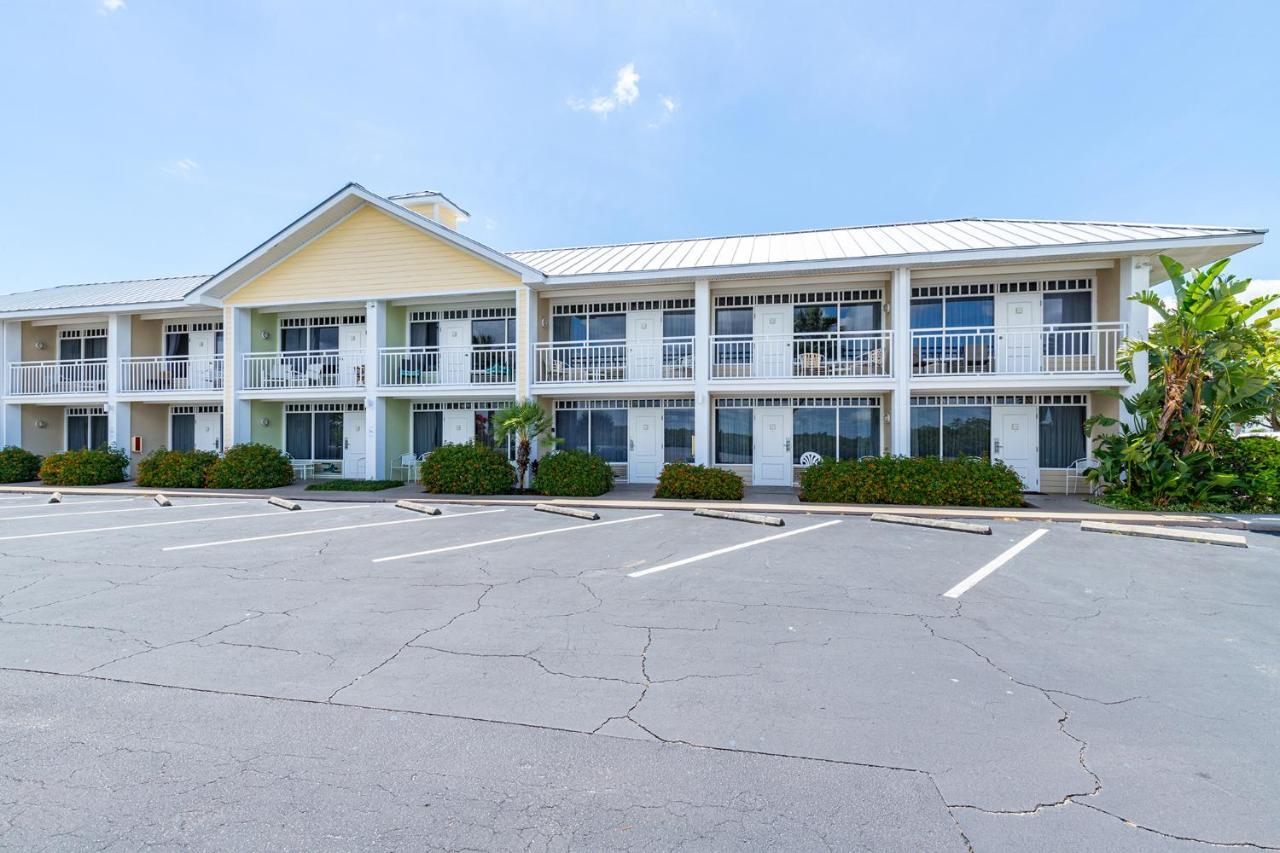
<point x="375" y="407"/>
<point x="900" y="320"/>
<point x="702" y="316"/>
<point x="236" y="330"/>
<point x="1135" y="277"/>
<point x="11" y="351"/>
<point x="526" y="340"/>
<point x="119" y="346"/>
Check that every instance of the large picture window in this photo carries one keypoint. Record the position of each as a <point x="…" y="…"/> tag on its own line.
<point x="951" y="431"/>
<point x="599" y="431"/>
<point x="86" y="430"/>
<point x="677" y="428"/>
<point x="313" y="435"/>
<point x="846" y="432"/>
<point x="1062" y="439"/>
<point x="733" y="436"/>
<point x="428" y="431"/>
<point x="1066" y="315"/>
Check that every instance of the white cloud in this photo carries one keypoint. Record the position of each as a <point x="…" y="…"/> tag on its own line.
<point x="626" y="90"/>
<point x="669" y="104"/>
<point x="106" y="7"/>
<point x="185" y="169"/>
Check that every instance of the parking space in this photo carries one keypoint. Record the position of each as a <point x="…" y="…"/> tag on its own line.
<point x="1068" y="679"/>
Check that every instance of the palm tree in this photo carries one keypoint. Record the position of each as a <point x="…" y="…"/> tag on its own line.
<point x="528" y="422"/>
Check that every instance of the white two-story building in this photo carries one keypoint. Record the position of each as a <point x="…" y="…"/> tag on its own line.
<point x="371" y="330"/>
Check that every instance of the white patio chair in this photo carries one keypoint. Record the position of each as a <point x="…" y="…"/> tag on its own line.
<point x="810" y="457"/>
<point x="408" y="466"/>
<point x="1075" y="475"/>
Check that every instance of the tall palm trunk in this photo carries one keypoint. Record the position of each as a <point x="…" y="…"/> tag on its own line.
<point x="522" y="458"/>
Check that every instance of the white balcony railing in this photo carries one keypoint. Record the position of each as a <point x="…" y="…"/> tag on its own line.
<point x="591" y="362"/>
<point x="170" y="373"/>
<point x="267" y="371"/>
<point x="40" y="378"/>
<point x="802" y="355"/>
<point x="1059" y="348"/>
<point x="481" y="364"/>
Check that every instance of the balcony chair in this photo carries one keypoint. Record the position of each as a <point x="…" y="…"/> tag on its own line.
<point x="561" y="372"/>
<point x="812" y="364"/>
<point x="977" y="358"/>
<point x="282" y="375"/>
<point x="871" y="363"/>
<point x="1075" y="476"/>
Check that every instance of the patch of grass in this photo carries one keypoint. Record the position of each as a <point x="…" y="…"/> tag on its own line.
<point x="1119" y="500"/>
<point x="353" y="485"/>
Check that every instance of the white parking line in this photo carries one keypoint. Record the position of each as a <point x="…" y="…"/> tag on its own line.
<point x="326" y="530"/>
<point x="46" y="505"/>
<point x="973" y="579"/>
<point x="708" y="555"/>
<point x="272" y="514"/>
<point x="150" y="506"/>
<point x="593" y="526"/>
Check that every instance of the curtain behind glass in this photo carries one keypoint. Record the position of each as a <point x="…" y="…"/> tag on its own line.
<point x="293" y="340"/>
<point x="972" y="311"/>
<point x="966" y="431"/>
<point x="183" y="428"/>
<point x="1061" y="436"/>
<point x="77" y="432"/>
<point x="860" y="317"/>
<point x="609" y="434"/>
<point x="677" y="426"/>
<point x="177" y="344"/>
<point x="566" y="328"/>
<point x="925" y="434"/>
<point x="733" y="436"/>
<point x="324" y="337"/>
<point x="859" y="432"/>
<point x="97" y="431"/>
<point x="328" y="435"/>
<point x="572" y="427"/>
<point x="677" y="324"/>
<point x="813" y="430"/>
<point x="607" y="327"/>
<point x="297" y="434"/>
<point x="926" y="313"/>
<point x="428" y="431"/>
<point x="1061" y="308"/>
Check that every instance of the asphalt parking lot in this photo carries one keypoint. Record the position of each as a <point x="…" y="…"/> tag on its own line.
<point x="221" y="674"/>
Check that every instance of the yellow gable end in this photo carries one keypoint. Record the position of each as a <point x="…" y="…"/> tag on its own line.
<point x="368" y="255"/>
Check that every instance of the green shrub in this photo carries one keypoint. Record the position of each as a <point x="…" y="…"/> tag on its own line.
<point x="573" y="473"/>
<point x="1255" y="461"/>
<point x="926" y="481"/>
<point x="18" y="465"/>
<point x="176" y="469"/>
<point x="698" y="482"/>
<point x="344" y="485"/>
<point x="85" y="467"/>
<point x="251" y="466"/>
<point x="467" y="469"/>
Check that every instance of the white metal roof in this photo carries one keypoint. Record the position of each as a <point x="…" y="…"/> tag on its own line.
<point x="101" y="294"/>
<point x="856" y="243"/>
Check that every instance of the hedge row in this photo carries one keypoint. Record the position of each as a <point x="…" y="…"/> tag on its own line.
<point x="698" y="482"/>
<point x="467" y="469"/>
<point x="85" y="467"/>
<point x="573" y="473"/>
<point x="176" y="469"/>
<point x="926" y="481"/>
<point x="18" y="465"/>
<point x="1255" y="462"/>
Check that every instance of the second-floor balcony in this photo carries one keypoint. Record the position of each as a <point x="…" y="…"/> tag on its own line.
<point x="803" y="355"/>
<point x="613" y="361"/>
<point x="1049" y="349"/>
<point x="418" y="367"/>
<point x="161" y="374"/>
<point x="273" y="371"/>
<point x="68" y="378"/>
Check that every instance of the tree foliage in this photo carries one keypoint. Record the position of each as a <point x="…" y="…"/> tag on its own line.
<point x="528" y="422"/>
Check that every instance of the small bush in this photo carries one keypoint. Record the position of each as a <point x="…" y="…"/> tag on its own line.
<point x="18" y="465"/>
<point x="85" y="467"/>
<point x="467" y="469"/>
<point x="926" y="481"/>
<point x="176" y="469"/>
<point x="1255" y="461"/>
<point x="698" y="482"/>
<point x="573" y="473"/>
<point x="344" y="485"/>
<point x="251" y="466"/>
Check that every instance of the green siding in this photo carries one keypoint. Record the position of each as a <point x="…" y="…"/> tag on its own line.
<point x="273" y="433"/>
<point x="259" y="322"/>
<point x="396" y="317"/>
<point x="398" y="437"/>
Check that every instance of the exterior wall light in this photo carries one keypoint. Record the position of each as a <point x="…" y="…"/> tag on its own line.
<point x="41" y="345"/>
<point x="264" y="334"/>
<point x="41" y="423"/>
<point x="266" y="422"/>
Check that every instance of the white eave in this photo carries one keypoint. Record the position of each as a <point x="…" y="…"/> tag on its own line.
<point x="324" y="216"/>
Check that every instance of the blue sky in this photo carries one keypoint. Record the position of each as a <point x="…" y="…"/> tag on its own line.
<point x="145" y="138"/>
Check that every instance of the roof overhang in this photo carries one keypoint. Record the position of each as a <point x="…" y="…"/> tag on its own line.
<point x="90" y="310"/>
<point x="1190" y="251"/>
<point x="320" y="219"/>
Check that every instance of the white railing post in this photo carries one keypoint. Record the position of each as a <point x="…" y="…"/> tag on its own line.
<point x="702" y="371"/>
<point x="900" y="320"/>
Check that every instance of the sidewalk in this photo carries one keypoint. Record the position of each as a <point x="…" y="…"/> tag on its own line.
<point x="637" y="496"/>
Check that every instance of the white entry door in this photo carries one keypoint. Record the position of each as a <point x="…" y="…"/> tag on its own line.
<point x="645" y="451"/>
<point x="644" y="346"/>
<point x="771" y="351"/>
<point x="1017" y="333"/>
<point x="771" y="447"/>
<point x="353" y="445"/>
<point x="459" y="426"/>
<point x="208" y="431"/>
<point x="351" y="342"/>
<point x="1015" y="441"/>
<point x="201" y="370"/>
<point x="455" y="352"/>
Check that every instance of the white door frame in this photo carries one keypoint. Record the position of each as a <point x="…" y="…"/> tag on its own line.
<point x="353" y="424"/>
<point x="455" y="352"/>
<point x="642" y="422"/>
<point x="771" y="424"/>
<point x="1019" y="351"/>
<point x="773" y="328"/>
<point x="644" y="346"/>
<point x="1000" y="442"/>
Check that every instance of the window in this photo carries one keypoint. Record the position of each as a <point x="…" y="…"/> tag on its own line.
<point x="89" y="344"/>
<point x="428" y="431"/>
<point x="677" y="435"/>
<point x="86" y="431"/>
<point x="738" y="322"/>
<point x="568" y="328"/>
<point x="1067" y="308"/>
<point x="599" y="431"/>
<point x="677" y="324"/>
<point x="966" y="431"/>
<point x="313" y="435"/>
<point x="607" y="327"/>
<point x="734" y="321"/>
<point x="849" y="432"/>
<point x="814" y="318"/>
<point x="733" y="436"/>
<point x="486" y="431"/>
<point x="182" y="432"/>
<point x="926" y="313"/>
<point x="493" y="331"/>
<point x="324" y="338"/>
<point x="925" y="437"/>
<point x="1062" y="439"/>
<point x="424" y="333"/>
<point x="860" y="317"/>
<point x="293" y="340"/>
<point x="969" y="312"/>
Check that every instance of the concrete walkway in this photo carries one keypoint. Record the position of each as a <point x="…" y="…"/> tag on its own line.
<point x="1042" y="508"/>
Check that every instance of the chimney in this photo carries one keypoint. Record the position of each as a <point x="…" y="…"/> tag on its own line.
<point x="434" y="206"/>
